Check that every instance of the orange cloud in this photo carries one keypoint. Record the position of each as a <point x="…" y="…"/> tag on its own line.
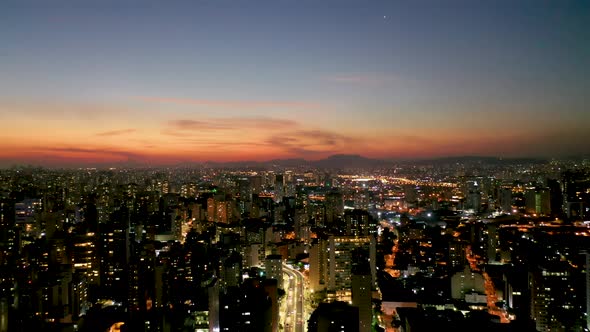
<point x="231" y="123"/>
<point x="116" y="132"/>
<point x="314" y="143"/>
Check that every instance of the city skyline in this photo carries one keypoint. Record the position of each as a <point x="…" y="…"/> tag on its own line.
<point x="226" y="81"/>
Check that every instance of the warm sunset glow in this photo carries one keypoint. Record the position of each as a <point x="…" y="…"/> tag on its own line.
<point x="160" y="86"/>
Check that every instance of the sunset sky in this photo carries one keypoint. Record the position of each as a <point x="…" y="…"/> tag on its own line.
<point x="162" y="82"/>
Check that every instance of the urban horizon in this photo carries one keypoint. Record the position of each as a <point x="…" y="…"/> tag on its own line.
<point x="334" y="161"/>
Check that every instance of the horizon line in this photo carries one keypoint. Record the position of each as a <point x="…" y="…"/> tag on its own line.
<point x="148" y="164"/>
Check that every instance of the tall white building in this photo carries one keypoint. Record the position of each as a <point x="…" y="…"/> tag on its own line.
<point x="340" y="249"/>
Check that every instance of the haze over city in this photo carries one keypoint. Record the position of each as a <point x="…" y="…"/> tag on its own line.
<point x="189" y="81"/>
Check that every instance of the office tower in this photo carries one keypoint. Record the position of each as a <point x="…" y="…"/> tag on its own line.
<point x="247" y="308"/>
<point x="8" y="234"/>
<point x="26" y="210"/>
<point x="85" y="256"/>
<point x="231" y="272"/>
<point x="473" y="201"/>
<point x="555" y="197"/>
<point x="279" y="186"/>
<point x="300" y="222"/>
<point x="360" y="223"/>
<point x="318" y="265"/>
<point x="213" y="303"/>
<point x="211" y="209"/>
<point x="141" y="279"/>
<point x="334" y="316"/>
<point x="228" y="213"/>
<point x="55" y="295"/>
<point x="197" y="213"/>
<point x="272" y="290"/>
<point x="256" y="184"/>
<point x="252" y="254"/>
<point x="537" y="201"/>
<point x="505" y="200"/>
<point x="274" y="268"/>
<point x="492" y="242"/>
<point x="340" y="263"/>
<point x="245" y="189"/>
<point x="316" y="213"/>
<point x="457" y="253"/>
<point x="576" y="194"/>
<point x="554" y="297"/>
<point x="219" y="209"/>
<point x="114" y="254"/>
<point x="334" y="207"/>
<point x="361" y="294"/>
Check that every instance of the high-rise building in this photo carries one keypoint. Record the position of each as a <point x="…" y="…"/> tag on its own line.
<point x="576" y="194"/>
<point x="211" y="209"/>
<point x="232" y="270"/>
<point x="141" y="287"/>
<point x="213" y="302"/>
<point x="537" y="201"/>
<point x="318" y="265"/>
<point x="492" y="241"/>
<point x="279" y="186"/>
<point x="114" y="256"/>
<point x="334" y="316"/>
<point x="361" y="295"/>
<point x="554" y="297"/>
<point x="25" y="210"/>
<point x="340" y="262"/>
<point x="248" y="308"/>
<point x="360" y="223"/>
<point x="457" y="253"/>
<point x="8" y="235"/>
<point x="334" y="204"/>
<point x="273" y="265"/>
<point x="505" y="200"/>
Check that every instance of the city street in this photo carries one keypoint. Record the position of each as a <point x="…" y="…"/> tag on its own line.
<point x="294" y="316"/>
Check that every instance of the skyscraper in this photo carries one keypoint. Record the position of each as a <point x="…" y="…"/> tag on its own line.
<point x="334" y="206"/>
<point x="274" y="268"/>
<point x="361" y="292"/>
<point x="340" y="262"/>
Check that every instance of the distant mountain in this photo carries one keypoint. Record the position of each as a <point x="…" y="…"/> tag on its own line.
<point x="476" y="160"/>
<point x="349" y="161"/>
<point x="334" y="162"/>
<point x="295" y="162"/>
<point x="342" y="161"/>
<point x="338" y="161"/>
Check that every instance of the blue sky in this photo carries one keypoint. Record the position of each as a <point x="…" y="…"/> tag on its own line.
<point x="387" y="71"/>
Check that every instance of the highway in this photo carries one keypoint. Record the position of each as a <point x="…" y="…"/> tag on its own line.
<point x="294" y="315"/>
